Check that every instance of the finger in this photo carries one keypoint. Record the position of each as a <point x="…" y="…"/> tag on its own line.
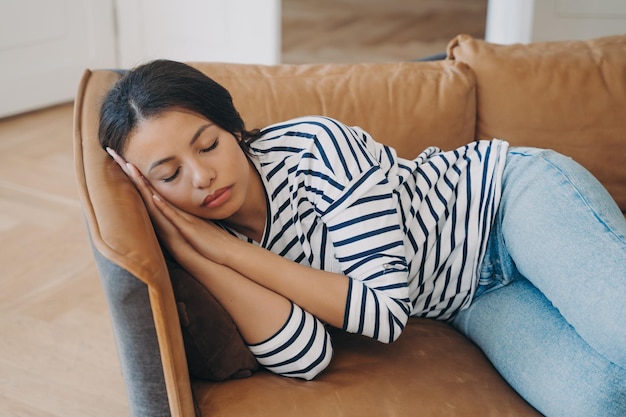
<point x="167" y="210"/>
<point x="146" y="192"/>
<point x="186" y="223"/>
<point x="130" y="170"/>
<point x="171" y="210"/>
<point x="177" y="226"/>
<point x="140" y="181"/>
<point x="166" y="228"/>
<point x="168" y="231"/>
<point x="119" y="160"/>
<point x="199" y="233"/>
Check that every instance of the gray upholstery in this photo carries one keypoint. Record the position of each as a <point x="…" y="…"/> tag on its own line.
<point x="136" y="338"/>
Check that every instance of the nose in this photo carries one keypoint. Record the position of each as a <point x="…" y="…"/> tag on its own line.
<point x="203" y="175"/>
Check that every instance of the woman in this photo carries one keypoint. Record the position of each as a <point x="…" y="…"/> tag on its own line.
<point x="314" y="222"/>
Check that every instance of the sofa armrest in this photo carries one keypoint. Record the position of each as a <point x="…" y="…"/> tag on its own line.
<point x="132" y="267"/>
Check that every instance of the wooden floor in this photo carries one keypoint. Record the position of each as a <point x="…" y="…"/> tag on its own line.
<point x="57" y="352"/>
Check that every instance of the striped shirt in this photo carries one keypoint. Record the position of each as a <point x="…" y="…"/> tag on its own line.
<point x="410" y="234"/>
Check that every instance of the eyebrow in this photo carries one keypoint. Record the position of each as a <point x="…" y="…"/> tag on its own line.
<point x="193" y="140"/>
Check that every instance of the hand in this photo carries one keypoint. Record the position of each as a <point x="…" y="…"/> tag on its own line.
<point x="206" y="237"/>
<point x="168" y="233"/>
<point x="143" y="185"/>
<point x="178" y="229"/>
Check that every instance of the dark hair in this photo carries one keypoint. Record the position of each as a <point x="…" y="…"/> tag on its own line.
<point x="158" y="86"/>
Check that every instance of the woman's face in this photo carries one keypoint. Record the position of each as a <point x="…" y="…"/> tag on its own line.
<point x="192" y="163"/>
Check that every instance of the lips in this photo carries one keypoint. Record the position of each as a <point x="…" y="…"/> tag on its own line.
<point x="218" y="198"/>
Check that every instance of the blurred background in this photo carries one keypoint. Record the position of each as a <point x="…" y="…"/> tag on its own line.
<point x="57" y="351"/>
<point x="54" y="40"/>
<point x="375" y="30"/>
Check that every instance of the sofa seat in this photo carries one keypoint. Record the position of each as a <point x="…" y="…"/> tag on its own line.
<point x="430" y="371"/>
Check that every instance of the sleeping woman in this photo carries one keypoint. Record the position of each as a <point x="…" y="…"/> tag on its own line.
<point x="311" y="222"/>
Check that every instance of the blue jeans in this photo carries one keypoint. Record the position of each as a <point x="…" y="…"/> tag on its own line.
<point x="550" y="309"/>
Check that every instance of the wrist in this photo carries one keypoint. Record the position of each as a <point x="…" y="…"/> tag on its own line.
<point x="232" y="249"/>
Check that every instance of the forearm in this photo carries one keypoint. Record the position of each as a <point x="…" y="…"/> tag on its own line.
<point x="302" y="348"/>
<point x="322" y="293"/>
<point x="257" y="311"/>
<point x="285" y="338"/>
<point x="377" y="308"/>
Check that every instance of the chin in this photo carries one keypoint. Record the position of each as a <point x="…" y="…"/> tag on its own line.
<point x="220" y="213"/>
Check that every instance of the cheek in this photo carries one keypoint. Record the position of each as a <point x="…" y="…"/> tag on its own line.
<point x="176" y="195"/>
<point x="242" y="162"/>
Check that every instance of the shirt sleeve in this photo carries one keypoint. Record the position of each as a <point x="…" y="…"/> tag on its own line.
<point x="350" y="181"/>
<point x="301" y="348"/>
<point x="342" y="175"/>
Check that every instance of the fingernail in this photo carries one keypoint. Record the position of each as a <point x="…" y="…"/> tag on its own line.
<point x="156" y="197"/>
<point x="110" y="151"/>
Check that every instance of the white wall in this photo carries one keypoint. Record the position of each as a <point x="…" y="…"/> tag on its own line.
<point x="45" y="45"/>
<point x="243" y="31"/>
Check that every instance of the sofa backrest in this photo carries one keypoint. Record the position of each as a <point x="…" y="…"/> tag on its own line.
<point x="569" y="96"/>
<point x="407" y="105"/>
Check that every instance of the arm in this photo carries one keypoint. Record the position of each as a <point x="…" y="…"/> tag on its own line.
<point x="376" y="306"/>
<point x="261" y="314"/>
<point x="261" y="319"/>
<point x="320" y="292"/>
<point x="285" y="337"/>
<point x="258" y="312"/>
<point x="344" y="188"/>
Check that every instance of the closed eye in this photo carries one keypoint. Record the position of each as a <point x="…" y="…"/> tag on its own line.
<point x="172" y="177"/>
<point x="213" y="146"/>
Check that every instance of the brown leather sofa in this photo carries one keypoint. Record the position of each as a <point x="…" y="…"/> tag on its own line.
<point x="569" y="96"/>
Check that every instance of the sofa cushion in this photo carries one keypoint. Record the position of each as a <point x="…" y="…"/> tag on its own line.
<point x="430" y="371"/>
<point x="214" y="348"/>
<point x="569" y="96"/>
<point x="407" y="105"/>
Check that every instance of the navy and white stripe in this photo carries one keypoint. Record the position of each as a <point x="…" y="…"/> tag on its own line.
<point x="447" y="207"/>
<point x="306" y="352"/>
<point x="408" y="234"/>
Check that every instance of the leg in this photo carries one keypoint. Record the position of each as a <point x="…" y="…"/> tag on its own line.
<point x="558" y="339"/>
<point x="566" y="235"/>
<point x="541" y="355"/>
